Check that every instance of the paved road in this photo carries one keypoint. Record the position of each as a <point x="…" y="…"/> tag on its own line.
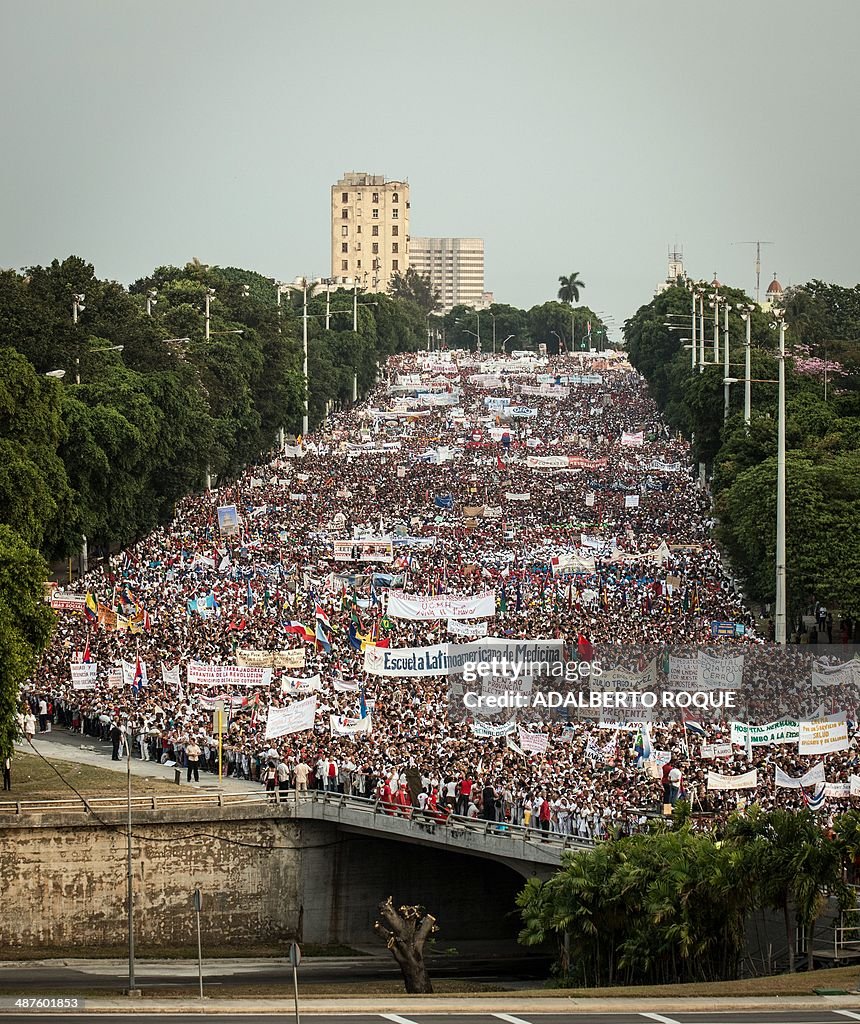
<point x="823" y="1016"/>
<point x="69" y="977"/>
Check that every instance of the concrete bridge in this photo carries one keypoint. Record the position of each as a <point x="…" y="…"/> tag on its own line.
<point x="311" y="865"/>
<point x="527" y="851"/>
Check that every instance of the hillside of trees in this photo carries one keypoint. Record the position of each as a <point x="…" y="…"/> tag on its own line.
<point x="822" y="434"/>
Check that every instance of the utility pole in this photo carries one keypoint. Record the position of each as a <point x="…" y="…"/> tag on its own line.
<point x="779" y="618"/>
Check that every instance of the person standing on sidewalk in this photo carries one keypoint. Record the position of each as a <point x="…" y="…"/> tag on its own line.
<point x="192" y="759"/>
<point x="7" y="772"/>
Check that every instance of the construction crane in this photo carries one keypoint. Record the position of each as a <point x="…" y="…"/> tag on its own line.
<point x="758" y="246"/>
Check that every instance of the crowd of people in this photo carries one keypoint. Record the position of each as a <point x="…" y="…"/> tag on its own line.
<point x="551" y="482"/>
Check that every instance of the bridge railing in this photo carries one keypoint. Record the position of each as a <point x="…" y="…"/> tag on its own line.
<point x="380" y="812"/>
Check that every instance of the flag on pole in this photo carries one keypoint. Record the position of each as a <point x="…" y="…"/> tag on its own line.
<point x="87" y="657"/>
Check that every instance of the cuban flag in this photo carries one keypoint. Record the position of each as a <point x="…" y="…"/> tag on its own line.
<point x="691" y="725"/>
<point x="137" y="681"/>
<point x="816" y="801"/>
<point x="87" y="657"/>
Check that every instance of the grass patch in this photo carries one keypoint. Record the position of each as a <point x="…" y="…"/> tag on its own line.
<point x="183" y="992"/>
<point x="33" y="779"/>
<point x="800" y="984"/>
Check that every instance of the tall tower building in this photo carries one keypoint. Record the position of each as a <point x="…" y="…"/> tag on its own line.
<point x="369" y="229"/>
<point x="455" y="267"/>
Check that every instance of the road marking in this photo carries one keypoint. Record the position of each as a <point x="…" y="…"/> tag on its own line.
<point x="397" y="1020"/>
<point x="848" y="1013"/>
<point x="659" y="1017"/>
<point x="510" y="1019"/>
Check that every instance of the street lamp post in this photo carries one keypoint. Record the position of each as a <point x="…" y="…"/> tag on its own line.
<point x="726" y="308"/>
<point x="209" y="293"/>
<point x="701" y="295"/>
<point x="132" y="991"/>
<point x="494" y="331"/>
<point x="746" y="316"/>
<point x="151" y="300"/>
<point x="693" y="352"/>
<point x="506" y="341"/>
<point x="77" y="306"/>
<point x="779" y="619"/>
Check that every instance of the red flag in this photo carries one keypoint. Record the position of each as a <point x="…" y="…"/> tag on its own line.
<point x="87" y="657"/>
<point x="500" y="463"/>
<point x="584" y="648"/>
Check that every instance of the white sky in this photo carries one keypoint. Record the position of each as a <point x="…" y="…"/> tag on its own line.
<point x="583" y="135"/>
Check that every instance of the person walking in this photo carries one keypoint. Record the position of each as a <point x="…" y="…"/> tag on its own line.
<point x="115" y="739"/>
<point x="7" y="772"/>
<point x="192" y="760"/>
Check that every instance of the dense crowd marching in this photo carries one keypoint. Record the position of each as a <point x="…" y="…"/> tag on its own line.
<point x="459" y="466"/>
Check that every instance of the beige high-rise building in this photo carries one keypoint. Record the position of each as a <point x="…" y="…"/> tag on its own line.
<point x="455" y="267"/>
<point x="369" y="229"/>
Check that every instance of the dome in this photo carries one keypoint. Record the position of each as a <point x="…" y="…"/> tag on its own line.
<point x="774" y="288"/>
<point x="715" y="283"/>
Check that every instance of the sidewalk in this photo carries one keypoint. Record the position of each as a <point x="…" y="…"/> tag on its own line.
<point x="62" y="745"/>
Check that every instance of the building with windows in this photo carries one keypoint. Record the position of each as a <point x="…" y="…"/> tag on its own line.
<point x="369" y="229"/>
<point x="455" y="267"/>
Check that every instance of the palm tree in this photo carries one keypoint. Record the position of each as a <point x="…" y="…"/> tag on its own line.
<point x="570" y="287"/>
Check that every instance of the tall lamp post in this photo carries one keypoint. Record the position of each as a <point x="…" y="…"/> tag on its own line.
<point x="209" y="293"/>
<point x="746" y="316"/>
<point x="132" y="991"/>
<point x="77" y="306"/>
<point x="726" y="308"/>
<point x="151" y="300"/>
<point x="494" y="331"/>
<point x="779" y="619"/>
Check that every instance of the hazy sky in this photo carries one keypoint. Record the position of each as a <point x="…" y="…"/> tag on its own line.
<point x="584" y="135"/>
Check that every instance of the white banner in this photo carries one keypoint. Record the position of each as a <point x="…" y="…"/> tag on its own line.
<point x="427" y="607"/>
<point x="201" y="674"/>
<point x="571" y="563"/>
<point x="341" y="725"/>
<point x="546" y="462"/>
<point x="170" y="675"/>
<point x="854" y="784"/>
<point x="296" y="684"/>
<point x="295" y="717"/>
<point x="716" y="750"/>
<point x="456" y="628"/>
<point x="683" y="673"/>
<point x="631" y="501"/>
<point x="810" y="778"/>
<point x="293" y="657"/>
<point x="784" y="731"/>
<point x="720" y="673"/>
<point x="407" y="662"/>
<point x="84" y="675"/>
<point x="114" y="679"/>
<point x="834" y="675"/>
<point x="746" y="781"/>
<point x="533" y="742"/>
<point x="837" y="790"/>
<point x="822" y="737"/>
<point x="632" y="440"/>
<point x="484" y="729"/>
<point x="341" y="687"/>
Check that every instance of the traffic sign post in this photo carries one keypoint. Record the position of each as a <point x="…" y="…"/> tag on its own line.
<point x="295" y="960"/>
<point x="198" y="906"/>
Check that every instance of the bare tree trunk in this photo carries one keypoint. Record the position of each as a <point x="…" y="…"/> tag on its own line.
<point x="405" y="930"/>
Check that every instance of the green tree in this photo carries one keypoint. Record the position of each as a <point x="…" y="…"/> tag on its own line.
<point x="570" y="287"/>
<point x="25" y="626"/>
<point x="414" y="287"/>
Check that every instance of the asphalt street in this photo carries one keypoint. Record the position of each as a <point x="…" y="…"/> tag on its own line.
<point x="823" y="1016"/>
<point x="72" y="976"/>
